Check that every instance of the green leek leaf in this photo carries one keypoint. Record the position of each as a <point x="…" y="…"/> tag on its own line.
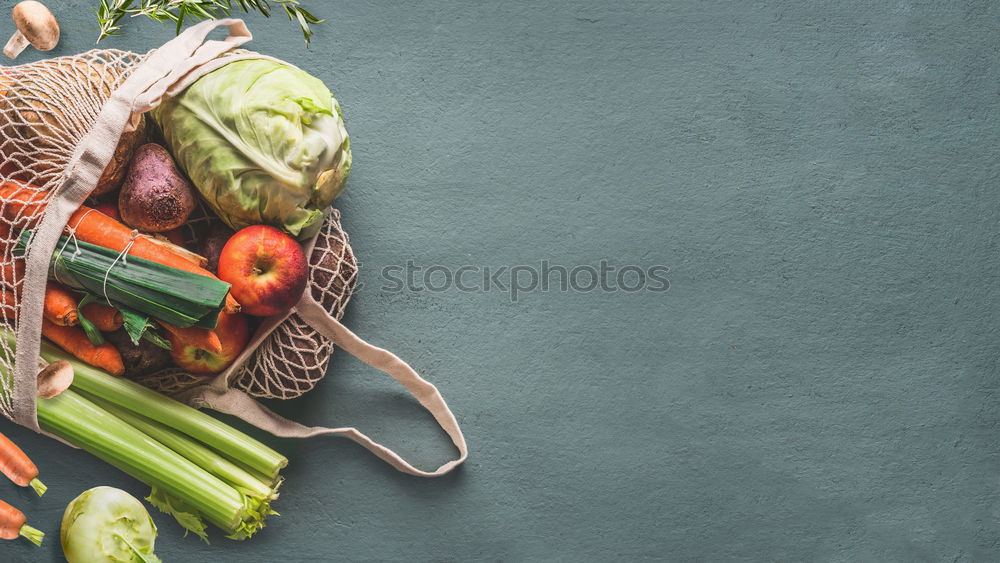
<point x="149" y="288"/>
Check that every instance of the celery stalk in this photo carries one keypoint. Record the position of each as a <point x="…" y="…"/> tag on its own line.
<point x="217" y="435"/>
<point x="84" y="424"/>
<point x="179" y="486"/>
<point x="200" y="455"/>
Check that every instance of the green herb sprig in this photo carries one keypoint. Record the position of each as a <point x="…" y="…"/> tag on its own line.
<point x="111" y="12"/>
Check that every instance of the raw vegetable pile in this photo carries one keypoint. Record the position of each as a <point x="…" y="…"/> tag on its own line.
<point x="144" y="279"/>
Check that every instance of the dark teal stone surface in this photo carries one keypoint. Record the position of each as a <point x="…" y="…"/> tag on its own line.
<point x="819" y="382"/>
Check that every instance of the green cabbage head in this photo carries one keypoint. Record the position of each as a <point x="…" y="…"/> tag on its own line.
<point x="107" y="525"/>
<point x="263" y="141"/>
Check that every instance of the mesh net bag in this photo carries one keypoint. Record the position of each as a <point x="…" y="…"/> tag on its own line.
<point x="68" y="128"/>
<point x="292" y="358"/>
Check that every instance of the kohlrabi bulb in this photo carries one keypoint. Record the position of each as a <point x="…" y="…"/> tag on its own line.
<point x="107" y="525"/>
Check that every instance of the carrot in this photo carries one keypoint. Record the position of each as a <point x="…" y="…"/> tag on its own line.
<point x="198" y="337"/>
<point x="75" y="341"/>
<point x="105" y="317"/>
<point x="99" y="229"/>
<point x="173" y="236"/>
<point x="12" y="525"/>
<point x="170" y="246"/>
<point x="17" y="467"/>
<point x="23" y="204"/>
<point x="12" y="272"/>
<point x="8" y="305"/>
<point x="7" y="242"/>
<point x="60" y="305"/>
<point x="109" y="209"/>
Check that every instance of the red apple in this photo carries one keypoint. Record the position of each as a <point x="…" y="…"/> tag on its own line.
<point x="234" y="333"/>
<point x="267" y="269"/>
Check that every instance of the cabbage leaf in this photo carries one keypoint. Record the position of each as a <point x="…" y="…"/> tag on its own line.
<point x="263" y="142"/>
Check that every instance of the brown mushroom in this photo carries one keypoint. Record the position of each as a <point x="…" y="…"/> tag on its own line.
<point x="35" y="25"/>
<point x="54" y="378"/>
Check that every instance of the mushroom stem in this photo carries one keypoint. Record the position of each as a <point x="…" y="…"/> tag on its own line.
<point x="17" y="43"/>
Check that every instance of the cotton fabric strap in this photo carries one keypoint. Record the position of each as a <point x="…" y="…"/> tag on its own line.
<point x="239" y="404"/>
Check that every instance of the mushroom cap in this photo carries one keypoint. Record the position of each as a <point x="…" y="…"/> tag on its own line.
<point x="54" y="378"/>
<point x="37" y="24"/>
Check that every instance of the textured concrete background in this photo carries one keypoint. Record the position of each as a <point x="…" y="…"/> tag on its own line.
<point x="819" y="383"/>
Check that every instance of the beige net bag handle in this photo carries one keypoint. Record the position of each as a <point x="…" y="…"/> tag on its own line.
<point x="241" y="405"/>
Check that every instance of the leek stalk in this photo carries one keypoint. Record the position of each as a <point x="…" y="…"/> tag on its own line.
<point x="175" y="296"/>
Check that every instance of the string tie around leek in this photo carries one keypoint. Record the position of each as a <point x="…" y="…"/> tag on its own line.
<point x="134" y="284"/>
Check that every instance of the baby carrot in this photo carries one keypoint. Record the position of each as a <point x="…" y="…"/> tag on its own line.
<point x="17" y="467"/>
<point x="60" y="305"/>
<point x="104" y="317"/>
<point x="74" y="340"/>
<point x="12" y="525"/>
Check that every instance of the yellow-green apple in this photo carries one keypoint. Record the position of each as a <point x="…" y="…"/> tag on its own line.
<point x="267" y="269"/>
<point x="233" y="332"/>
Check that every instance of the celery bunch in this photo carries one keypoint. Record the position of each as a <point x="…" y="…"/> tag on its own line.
<point x="199" y="468"/>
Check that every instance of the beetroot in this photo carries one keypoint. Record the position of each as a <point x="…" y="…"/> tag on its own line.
<point x="156" y="196"/>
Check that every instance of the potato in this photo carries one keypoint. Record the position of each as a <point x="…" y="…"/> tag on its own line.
<point x="35" y="124"/>
<point x="156" y="196"/>
<point x="114" y="172"/>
